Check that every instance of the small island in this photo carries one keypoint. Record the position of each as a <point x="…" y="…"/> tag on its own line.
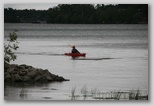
<point x="26" y="73"/>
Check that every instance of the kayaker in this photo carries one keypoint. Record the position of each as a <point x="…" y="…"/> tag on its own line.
<point x="74" y="50"/>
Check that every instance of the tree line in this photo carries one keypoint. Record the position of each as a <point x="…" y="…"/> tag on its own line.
<point x="81" y="14"/>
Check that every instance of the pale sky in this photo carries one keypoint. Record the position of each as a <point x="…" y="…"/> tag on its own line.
<point x="37" y="6"/>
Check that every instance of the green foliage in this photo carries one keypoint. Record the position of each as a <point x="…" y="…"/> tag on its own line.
<point x="10" y="47"/>
<point x="19" y="16"/>
<point x="82" y="14"/>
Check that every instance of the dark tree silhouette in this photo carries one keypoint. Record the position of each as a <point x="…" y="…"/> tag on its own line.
<point x="82" y="14"/>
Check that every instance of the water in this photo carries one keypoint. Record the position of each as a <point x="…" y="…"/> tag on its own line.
<point x="41" y="45"/>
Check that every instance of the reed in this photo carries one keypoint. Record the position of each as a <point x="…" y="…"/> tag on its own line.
<point x="95" y="94"/>
<point x="84" y="91"/>
<point x="73" y="97"/>
<point x="23" y="93"/>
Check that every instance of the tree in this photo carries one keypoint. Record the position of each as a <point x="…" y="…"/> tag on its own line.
<point x="10" y="47"/>
<point x="81" y="14"/>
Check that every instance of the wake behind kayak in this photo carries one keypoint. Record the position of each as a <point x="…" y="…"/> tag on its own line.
<point x="92" y="58"/>
<point x="81" y="56"/>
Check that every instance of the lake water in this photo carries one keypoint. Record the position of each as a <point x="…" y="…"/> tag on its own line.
<point x="41" y="46"/>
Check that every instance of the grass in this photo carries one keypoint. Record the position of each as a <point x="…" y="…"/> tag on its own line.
<point x="95" y="94"/>
<point x="84" y="92"/>
<point x="73" y="94"/>
<point x="23" y="93"/>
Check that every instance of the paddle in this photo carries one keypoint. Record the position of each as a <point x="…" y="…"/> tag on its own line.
<point x="70" y="46"/>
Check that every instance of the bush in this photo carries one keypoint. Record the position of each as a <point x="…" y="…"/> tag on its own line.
<point x="10" y="47"/>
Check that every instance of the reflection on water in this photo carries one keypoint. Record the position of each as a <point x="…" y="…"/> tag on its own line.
<point x="29" y="91"/>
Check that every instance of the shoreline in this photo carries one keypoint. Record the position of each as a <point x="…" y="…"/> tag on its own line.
<point x="26" y="73"/>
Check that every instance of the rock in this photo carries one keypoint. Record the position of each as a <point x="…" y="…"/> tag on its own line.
<point x="7" y="76"/>
<point x="41" y="71"/>
<point x="38" y="77"/>
<point x="49" y="78"/>
<point x="52" y="75"/>
<point x="32" y="73"/>
<point x="17" y="77"/>
<point x="31" y="69"/>
<point x="11" y="69"/>
<point x="26" y="78"/>
<point x="13" y="65"/>
<point x="57" y="78"/>
<point x="26" y="66"/>
<point x="16" y="69"/>
<point x="26" y="73"/>
<point x="20" y="70"/>
<point x="15" y="72"/>
<point x="21" y="67"/>
<point x="43" y="79"/>
<point x="22" y="73"/>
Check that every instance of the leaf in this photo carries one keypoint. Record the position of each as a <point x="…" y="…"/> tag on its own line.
<point x="8" y="49"/>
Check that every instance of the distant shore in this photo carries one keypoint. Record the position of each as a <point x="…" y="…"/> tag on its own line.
<point x="26" y="73"/>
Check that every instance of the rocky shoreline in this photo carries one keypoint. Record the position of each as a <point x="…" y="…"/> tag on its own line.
<point x="26" y="73"/>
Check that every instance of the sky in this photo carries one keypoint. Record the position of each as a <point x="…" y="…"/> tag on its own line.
<point x="36" y="6"/>
<point x="40" y="5"/>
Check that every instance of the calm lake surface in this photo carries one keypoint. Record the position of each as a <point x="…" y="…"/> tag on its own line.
<point x="41" y="46"/>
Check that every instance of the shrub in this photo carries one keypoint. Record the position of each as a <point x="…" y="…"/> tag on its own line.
<point x="10" y="47"/>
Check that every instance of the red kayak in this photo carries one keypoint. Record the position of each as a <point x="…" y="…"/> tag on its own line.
<point x="75" y="54"/>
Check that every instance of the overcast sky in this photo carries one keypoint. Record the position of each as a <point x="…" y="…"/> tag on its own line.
<point x="37" y="6"/>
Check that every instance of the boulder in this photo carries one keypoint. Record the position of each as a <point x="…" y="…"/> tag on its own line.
<point x="17" y="77"/>
<point x="13" y="65"/>
<point x="32" y="73"/>
<point x="42" y="72"/>
<point x="37" y="78"/>
<point x="11" y="69"/>
<point x="43" y="79"/>
<point x="57" y="78"/>
<point x="26" y="78"/>
<point x="15" y="72"/>
<point x="26" y="73"/>
<point x="7" y="76"/>
<point x="25" y="66"/>
<point x="31" y="69"/>
<point x="23" y="73"/>
<point x="21" y="67"/>
<point x="49" y="78"/>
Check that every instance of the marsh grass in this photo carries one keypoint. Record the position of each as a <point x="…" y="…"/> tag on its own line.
<point x="84" y="92"/>
<point x="95" y="94"/>
<point x="74" y="95"/>
<point x="23" y="93"/>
